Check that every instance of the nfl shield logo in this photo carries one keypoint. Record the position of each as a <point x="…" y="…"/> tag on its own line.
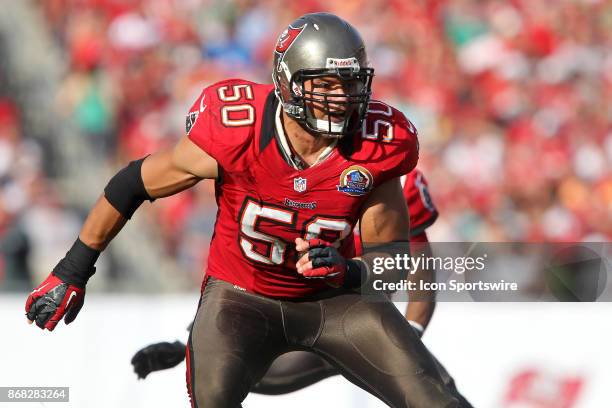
<point x="299" y="184"/>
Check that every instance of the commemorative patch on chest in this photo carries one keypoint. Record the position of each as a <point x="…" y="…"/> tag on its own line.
<point x="355" y="181"/>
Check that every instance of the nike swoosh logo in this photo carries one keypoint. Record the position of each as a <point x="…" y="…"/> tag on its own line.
<point x="39" y="289"/>
<point x="202" y="106"/>
<point x="73" y="294"/>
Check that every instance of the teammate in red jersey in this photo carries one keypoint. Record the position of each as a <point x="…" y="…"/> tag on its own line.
<point x="297" y="165"/>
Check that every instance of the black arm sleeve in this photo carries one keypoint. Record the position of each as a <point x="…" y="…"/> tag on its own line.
<point x="126" y="190"/>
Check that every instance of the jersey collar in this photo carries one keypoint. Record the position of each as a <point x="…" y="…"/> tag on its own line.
<point x="287" y="152"/>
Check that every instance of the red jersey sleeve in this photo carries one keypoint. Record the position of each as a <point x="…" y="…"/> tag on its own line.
<point x="198" y="123"/>
<point x="422" y="211"/>
<point x="404" y="152"/>
<point x="390" y="141"/>
<point x="222" y="121"/>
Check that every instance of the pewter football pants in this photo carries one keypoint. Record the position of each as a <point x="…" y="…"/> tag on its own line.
<point x="299" y="369"/>
<point x="237" y="335"/>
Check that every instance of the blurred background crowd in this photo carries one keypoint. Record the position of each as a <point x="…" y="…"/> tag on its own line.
<point x="511" y="99"/>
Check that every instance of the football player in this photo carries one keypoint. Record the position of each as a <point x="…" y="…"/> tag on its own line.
<point x="298" y="369"/>
<point x="297" y="165"/>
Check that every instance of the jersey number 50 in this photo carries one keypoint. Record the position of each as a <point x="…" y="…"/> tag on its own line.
<point x="237" y="115"/>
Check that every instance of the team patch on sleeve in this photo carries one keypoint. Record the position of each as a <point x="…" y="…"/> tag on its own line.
<point x="190" y="120"/>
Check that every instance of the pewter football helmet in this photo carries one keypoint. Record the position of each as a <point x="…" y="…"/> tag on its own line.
<point x="321" y="45"/>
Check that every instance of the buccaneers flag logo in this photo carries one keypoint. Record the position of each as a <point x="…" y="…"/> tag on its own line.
<point x="286" y="38"/>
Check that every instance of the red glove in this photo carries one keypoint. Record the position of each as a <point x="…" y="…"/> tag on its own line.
<point x="62" y="294"/>
<point x="324" y="261"/>
<point x="53" y="300"/>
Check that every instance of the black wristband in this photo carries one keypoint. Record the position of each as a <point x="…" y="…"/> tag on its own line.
<point x="356" y="274"/>
<point x="126" y="190"/>
<point x="78" y="265"/>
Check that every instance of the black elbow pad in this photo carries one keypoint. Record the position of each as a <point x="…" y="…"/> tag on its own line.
<point x="126" y="190"/>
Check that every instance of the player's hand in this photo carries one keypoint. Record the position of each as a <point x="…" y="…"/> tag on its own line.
<point x="321" y="260"/>
<point x="62" y="294"/>
<point x="53" y="300"/>
<point x="159" y="356"/>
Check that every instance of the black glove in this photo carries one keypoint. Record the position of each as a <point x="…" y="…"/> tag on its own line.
<point x="156" y="357"/>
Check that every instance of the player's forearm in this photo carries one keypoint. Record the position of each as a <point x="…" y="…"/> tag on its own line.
<point x="122" y="196"/>
<point x="421" y="302"/>
<point x="101" y="225"/>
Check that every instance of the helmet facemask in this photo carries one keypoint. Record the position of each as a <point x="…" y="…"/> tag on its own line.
<point x="340" y="114"/>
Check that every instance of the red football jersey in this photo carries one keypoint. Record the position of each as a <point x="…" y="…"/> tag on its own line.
<point x="266" y="200"/>
<point x="422" y="211"/>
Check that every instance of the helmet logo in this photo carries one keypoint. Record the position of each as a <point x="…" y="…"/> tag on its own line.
<point x="287" y="37"/>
